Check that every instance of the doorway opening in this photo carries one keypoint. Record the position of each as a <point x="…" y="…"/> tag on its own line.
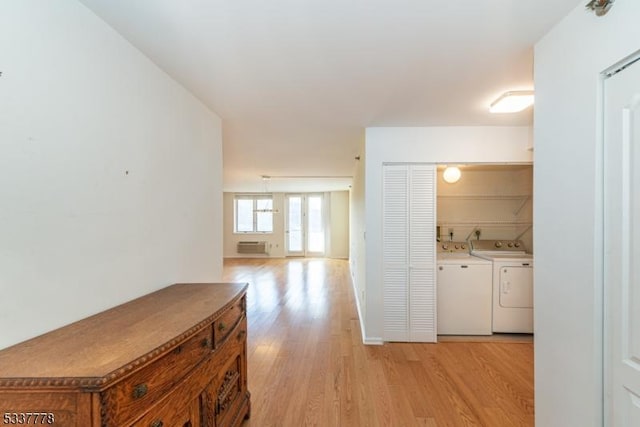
<point x="304" y="225"/>
<point x="484" y="206"/>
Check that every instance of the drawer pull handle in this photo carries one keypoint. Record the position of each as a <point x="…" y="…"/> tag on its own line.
<point x="140" y="390"/>
<point x="241" y="335"/>
<point x="156" y="423"/>
<point x="177" y="350"/>
<point x="205" y="343"/>
<point x="222" y="326"/>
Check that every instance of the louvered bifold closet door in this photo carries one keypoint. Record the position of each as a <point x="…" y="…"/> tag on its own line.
<point x="408" y="266"/>
<point x="422" y="256"/>
<point x="395" y="252"/>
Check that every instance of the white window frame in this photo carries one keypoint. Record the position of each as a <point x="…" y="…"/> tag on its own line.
<point x="254" y="198"/>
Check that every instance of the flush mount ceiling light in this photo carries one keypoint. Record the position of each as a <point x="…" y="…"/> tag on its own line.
<point x="512" y="102"/>
<point x="451" y="174"/>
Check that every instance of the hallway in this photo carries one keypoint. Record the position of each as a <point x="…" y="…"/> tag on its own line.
<point x="307" y="364"/>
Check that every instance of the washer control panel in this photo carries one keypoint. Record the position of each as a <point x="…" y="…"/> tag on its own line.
<point x="453" y="247"/>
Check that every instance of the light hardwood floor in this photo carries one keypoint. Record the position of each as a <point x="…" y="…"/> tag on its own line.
<point x="308" y="367"/>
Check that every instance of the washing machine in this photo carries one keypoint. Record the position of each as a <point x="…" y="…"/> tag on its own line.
<point x="463" y="284"/>
<point x="512" y="284"/>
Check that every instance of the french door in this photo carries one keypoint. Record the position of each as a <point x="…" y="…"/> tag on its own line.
<point x="304" y="227"/>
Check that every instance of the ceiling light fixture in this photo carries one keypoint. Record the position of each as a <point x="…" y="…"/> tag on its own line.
<point x="512" y="102"/>
<point x="451" y="174"/>
<point x="265" y="180"/>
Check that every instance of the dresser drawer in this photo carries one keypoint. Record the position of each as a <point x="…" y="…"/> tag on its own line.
<point x="180" y="408"/>
<point x="228" y="321"/>
<point x="137" y="393"/>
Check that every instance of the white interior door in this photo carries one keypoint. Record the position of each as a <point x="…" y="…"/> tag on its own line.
<point x="622" y="247"/>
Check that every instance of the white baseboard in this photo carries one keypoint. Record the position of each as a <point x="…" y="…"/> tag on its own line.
<point x="252" y="256"/>
<point x="372" y="341"/>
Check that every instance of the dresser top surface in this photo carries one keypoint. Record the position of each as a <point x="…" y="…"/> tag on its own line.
<point x="93" y="350"/>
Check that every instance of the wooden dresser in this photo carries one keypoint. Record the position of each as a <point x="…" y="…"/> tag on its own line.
<point x="175" y="357"/>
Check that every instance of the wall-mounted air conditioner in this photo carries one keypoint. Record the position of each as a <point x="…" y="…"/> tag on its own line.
<point x="252" y="247"/>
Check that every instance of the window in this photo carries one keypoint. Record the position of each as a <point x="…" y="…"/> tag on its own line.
<point x="253" y="214"/>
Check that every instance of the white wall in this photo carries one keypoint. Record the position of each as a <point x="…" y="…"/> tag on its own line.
<point x="428" y="145"/>
<point x="357" y="242"/>
<point x="339" y="225"/>
<point x="110" y="172"/>
<point x="568" y="208"/>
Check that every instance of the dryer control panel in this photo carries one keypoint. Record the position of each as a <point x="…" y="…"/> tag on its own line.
<point x="515" y="246"/>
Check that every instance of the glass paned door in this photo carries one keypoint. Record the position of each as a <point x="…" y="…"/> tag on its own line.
<point x="315" y="225"/>
<point x="304" y="225"/>
<point x="295" y="225"/>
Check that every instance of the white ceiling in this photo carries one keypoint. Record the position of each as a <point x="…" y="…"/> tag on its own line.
<point x="297" y="81"/>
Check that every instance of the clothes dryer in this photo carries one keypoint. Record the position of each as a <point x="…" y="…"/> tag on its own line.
<point x="512" y="307"/>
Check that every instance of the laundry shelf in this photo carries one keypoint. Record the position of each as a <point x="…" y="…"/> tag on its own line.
<point x="484" y="196"/>
<point x="487" y="223"/>
<point x="522" y="227"/>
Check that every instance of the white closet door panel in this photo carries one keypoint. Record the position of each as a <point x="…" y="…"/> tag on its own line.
<point x="422" y="216"/>
<point x="396" y="323"/>
<point x="395" y="215"/>
<point x="408" y="253"/>
<point x="422" y="255"/>
<point x="422" y="305"/>
<point x="395" y="257"/>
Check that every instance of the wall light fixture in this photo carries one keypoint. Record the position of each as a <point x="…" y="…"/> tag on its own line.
<point x="451" y="174"/>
